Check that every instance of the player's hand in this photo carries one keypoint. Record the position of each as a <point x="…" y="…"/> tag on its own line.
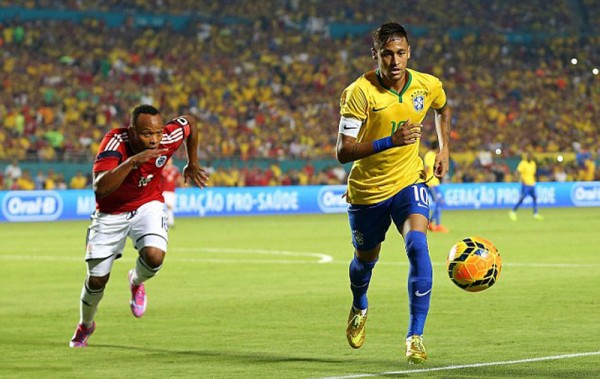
<point x="194" y="173"/>
<point x="442" y="164"/>
<point x="146" y="155"/>
<point x="407" y="134"/>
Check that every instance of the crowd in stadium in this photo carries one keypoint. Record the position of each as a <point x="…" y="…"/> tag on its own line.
<point x="268" y="87"/>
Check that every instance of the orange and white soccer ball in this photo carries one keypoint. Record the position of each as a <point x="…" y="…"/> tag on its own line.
<point x="474" y="264"/>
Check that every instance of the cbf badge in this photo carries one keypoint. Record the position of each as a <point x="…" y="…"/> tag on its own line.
<point x="418" y="103"/>
<point x="160" y="161"/>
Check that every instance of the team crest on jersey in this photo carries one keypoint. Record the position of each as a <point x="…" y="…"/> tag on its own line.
<point x="418" y="103"/>
<point x="418" y="99"/>
<point x="160" y="161"/>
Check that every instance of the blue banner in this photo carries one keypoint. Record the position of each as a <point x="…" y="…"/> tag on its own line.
<point x="238" y="201"/>
<point x="23" y="206"/>
<point x="505" y="195"/>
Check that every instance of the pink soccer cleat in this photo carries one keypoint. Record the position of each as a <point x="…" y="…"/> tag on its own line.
<point x="81" y="335"/>
<point x="138" y="297"/>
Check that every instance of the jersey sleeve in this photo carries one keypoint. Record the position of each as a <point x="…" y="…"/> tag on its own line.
<point x="181" y="122"/>
<point x="354" y="103"/>
<point x="438" y="94"/>
<point x="110" y="153"/>
<point x="175" y="133"/>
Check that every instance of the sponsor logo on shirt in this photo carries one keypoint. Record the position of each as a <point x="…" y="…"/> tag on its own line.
<point x="379" y="109"/>
<point x="145" y="180"/>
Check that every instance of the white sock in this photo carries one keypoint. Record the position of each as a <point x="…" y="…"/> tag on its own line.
<point x="362" y="311"/>
<point x="142" y="272"/>
<point x="89" y="305"/>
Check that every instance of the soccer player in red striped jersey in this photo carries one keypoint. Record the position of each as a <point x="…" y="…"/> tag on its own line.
<point x="129" y="203"/>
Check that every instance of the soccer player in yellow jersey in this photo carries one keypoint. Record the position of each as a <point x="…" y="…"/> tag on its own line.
<point x="379" y="130"/>
<point x="435" y="196"/>
<point x="588" y="172"/>
<point x="527" y="169"/>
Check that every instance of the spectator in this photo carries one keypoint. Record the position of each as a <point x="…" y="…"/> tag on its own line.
<point x="78" y="181"/>
<point x="559" y="173"/>
<point x="50" y="182"/>
<point x="61" y="184"/>
<point x="12" y="173"/>
<point x="39" y="180"/>
<point x="290" y="77"/>
<point x="25" y="181"/>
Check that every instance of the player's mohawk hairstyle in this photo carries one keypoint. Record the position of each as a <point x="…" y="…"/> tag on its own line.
<point x="386" y="32"/>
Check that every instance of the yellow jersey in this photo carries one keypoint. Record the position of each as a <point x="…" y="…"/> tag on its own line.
<point x="429" y="163"/>
<point x="381" y="110"/>
<point x="527" y="170"/>
<point x="78" y="182"/>
<point x="589" y="170"/>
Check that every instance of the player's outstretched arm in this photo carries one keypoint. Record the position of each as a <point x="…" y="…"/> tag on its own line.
<point x="192" y="170"/>
<point x="348" y="150"/>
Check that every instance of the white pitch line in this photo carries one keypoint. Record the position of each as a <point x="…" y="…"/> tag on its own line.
<point x="319" y="258"/>
<point x="323" y="258"/>
<point x="174" y="260"/>
<point x="457" y="367"/>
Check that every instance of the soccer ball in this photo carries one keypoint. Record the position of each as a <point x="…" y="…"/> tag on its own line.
<point x="474" y="264"/>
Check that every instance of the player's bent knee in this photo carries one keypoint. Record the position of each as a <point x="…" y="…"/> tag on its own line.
<point x="97" y="282"/>
<point x="152" y="256"/>
<point x="368" y="255"/>
<point x="416" y="242"/>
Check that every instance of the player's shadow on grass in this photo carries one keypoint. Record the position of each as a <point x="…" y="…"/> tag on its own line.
<point x="249" y="357"/>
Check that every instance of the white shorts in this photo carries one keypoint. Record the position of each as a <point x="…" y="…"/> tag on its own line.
<point x="107" y="235"/>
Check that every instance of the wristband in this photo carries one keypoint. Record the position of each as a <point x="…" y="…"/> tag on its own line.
<point x="382" y="144"/>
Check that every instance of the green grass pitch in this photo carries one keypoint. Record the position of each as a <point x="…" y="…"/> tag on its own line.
<point x="268" y="297"/>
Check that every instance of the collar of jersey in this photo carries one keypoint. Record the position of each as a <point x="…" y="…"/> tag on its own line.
<point x="406" y="85"/>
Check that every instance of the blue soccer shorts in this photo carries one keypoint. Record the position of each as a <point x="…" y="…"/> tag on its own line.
<point x="370" y="223"/>
<point x="527" y="191"/>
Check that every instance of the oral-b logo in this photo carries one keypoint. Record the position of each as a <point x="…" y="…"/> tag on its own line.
<point x="32" y="206"/>
<point x="585" y="194"/>
<point x="331" y="200"/>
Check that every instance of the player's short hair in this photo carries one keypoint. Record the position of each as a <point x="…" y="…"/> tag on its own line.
<point x="434" y="145"/>
<point x="387" y="31"/>
<point x="142" y="109"/>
